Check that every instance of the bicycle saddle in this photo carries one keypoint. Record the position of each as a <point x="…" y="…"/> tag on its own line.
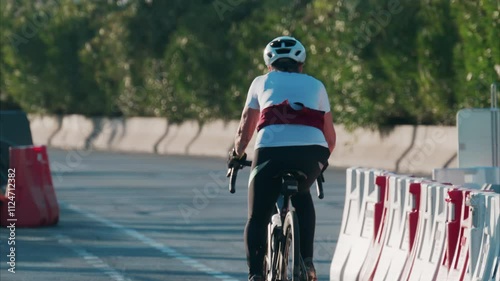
<point x="296" y="174"/>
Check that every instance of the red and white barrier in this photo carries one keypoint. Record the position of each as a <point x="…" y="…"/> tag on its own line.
<point x="416" y="230"/>
<point x="361" y="219"/>
<point x="370" y="263"/>
<point x="455" y="258"/>
<point x="35" y="198"/>
<point x="431" y="234"/>
<point x="401" y="227"/>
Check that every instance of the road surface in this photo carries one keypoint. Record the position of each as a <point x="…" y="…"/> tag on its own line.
<point x="148" y="217"/>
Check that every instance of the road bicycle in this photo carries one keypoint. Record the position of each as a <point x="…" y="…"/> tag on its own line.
<point x="283" y="261"/>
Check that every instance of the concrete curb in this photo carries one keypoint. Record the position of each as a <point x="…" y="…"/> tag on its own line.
<point x="406" y="149"/>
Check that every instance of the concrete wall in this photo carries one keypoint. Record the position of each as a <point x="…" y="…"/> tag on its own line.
<point x="407" y="149"/>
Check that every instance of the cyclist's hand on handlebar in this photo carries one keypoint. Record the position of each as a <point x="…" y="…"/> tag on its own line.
<point x="235" y="160"/>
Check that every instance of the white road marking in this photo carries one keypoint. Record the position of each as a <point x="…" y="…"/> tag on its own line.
<point x="32" y="238"/>
<point x="40" y="264"/>
<point x="154" y="244"/>
<point x="91" y="259"/>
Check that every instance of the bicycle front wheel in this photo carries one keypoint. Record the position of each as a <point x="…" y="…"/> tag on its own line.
<point x="290" y="265"/>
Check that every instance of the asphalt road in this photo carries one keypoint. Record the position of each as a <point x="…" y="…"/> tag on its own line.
<point x="146" y="217"/>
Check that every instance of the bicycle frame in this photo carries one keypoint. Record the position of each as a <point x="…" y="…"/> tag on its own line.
<point x="283" y="202"/>
<point x="277" y="240"/>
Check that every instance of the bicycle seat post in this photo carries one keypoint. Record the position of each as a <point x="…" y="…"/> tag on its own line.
<point x="289" y="186"/>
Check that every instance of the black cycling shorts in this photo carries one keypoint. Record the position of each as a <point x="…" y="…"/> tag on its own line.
<point x="269" y="161"/>
<point x="264" y="189"/>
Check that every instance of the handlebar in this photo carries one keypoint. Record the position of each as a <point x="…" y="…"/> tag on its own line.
<point x="232" y="173"/>
<point x="319" y="186"/>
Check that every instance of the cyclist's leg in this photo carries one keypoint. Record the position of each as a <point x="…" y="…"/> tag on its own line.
<point x="306" y="214"/>
<point x="262" y="194"/>
<point x="310" y="157"/>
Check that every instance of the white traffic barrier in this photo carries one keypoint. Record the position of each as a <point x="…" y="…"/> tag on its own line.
<point x="359" y="222"/>
<point x="484" y="244"/>
<point x="376" y="244"/>
<point x="477" y="209"/>
<point x="474" y="177"/>
<point x="431" y="234"/>
<point x="403" y="203"/>
<point x="491" y="187"/>
<point x="351" y="214"/>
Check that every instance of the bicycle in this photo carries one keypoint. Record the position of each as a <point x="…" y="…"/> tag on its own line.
<point x="283" y="261"/>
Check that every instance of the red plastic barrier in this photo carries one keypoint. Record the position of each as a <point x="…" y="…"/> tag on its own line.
<point x="47" y="185"/>
<point x="35" y="198"/>
<point x="413" y="215"/>
<point x="381" y="182"/>
<point x="401" y="206"/>
<point x="380" y="215"/>
<point x="3" y="209"/>
<point x="455" y="258"/>
<point x="430" y="238"/>
<point x="460" y="262"/>
<point x="413" y="220"/>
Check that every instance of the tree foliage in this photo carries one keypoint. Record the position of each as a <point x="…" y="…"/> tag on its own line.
<point x="383" y="62"/>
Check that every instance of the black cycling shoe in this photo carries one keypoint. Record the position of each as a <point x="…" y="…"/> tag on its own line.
<point x="310" y="270"/>
<point x="256" y="277"/>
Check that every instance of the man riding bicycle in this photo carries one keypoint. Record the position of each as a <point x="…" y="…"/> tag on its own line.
<point x="291" y="112"/>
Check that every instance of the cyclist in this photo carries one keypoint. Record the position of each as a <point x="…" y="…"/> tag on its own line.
<point x="291" y="112"/>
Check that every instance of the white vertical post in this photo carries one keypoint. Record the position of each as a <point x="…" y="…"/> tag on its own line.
<point x="495" y="131"/>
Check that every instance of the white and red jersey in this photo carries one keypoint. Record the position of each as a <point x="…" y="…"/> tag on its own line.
<point x="292" y="107"/>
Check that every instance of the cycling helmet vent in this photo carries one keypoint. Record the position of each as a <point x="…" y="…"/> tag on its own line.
<point x="284" y="47"/>
<point x="283" y="43"/>
<point x="283" y="51"/>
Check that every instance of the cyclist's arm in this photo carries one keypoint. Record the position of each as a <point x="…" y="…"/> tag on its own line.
<point x="329" y="131"/>
<point x="248" y="122"/>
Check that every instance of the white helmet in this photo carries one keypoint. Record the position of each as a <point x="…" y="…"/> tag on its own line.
<point x="284" y="47"/>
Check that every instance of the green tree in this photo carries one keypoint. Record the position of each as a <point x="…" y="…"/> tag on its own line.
<point x="477" y="52"/>
<point x="382" y="62"/>
<point x="45" y="68"/>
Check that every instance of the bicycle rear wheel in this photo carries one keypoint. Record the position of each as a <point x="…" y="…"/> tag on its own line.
<point x="291" y="259"/>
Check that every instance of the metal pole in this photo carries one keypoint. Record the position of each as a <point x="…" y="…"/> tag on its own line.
<point x="494" y="125"/>
<point x="494" y="96"/>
